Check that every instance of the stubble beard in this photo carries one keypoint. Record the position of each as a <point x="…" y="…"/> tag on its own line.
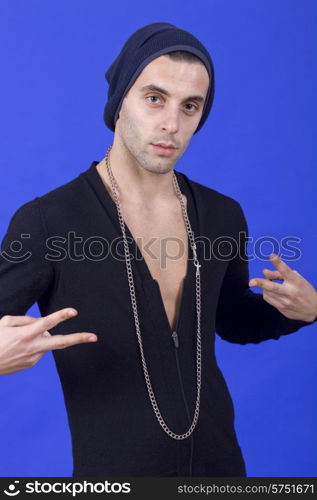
<point x="133" y="142"/>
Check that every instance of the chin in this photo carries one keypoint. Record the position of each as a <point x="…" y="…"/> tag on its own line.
<point x="160" y="167"/>
<point x="157" y="166"/>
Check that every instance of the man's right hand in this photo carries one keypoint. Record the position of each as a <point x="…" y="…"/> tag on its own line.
<point x="25" y="339"/>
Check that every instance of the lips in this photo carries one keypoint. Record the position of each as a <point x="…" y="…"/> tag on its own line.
<point x="164" y="145"/>
<point x="163" y="150"/>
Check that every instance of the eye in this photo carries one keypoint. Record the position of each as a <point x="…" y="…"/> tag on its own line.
<point x="152" y="96"/>
<point x="193" y="108"/>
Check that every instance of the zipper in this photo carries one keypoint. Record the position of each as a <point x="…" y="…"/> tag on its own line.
<point x="176" y="343"/>
<point x="176" y="347"/>
<point x="176" y="340"/>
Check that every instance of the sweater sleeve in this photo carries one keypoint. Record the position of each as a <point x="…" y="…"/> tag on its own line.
<point x="25" y="274"/>
<point x="243" y="316"/>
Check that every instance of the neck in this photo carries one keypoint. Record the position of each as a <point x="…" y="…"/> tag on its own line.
<point x="135" y="182"/>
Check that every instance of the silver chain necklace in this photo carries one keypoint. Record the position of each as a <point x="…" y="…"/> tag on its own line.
<point x="115" y="190"/>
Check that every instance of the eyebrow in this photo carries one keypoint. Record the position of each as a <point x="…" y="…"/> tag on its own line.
<point x="154" y="88"/>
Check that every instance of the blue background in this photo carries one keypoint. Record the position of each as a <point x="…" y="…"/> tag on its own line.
<point x="258" y="146"/>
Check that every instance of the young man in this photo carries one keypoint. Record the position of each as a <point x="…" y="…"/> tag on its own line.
<point x="121" y="245"/>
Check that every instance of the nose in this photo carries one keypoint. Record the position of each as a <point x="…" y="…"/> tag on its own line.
<point x="170" y="120"/>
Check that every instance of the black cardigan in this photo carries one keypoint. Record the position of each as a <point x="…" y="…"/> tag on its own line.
<point x="113" y="427"/>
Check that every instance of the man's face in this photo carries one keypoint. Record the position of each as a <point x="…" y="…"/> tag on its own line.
<point x="164" y="105"/>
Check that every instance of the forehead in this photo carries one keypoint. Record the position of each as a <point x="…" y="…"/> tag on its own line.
<point x="174" y="76"/>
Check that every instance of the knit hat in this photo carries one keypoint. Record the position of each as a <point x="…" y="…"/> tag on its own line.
<point x="144" y="45"/>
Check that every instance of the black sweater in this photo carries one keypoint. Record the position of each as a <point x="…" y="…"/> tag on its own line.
<point x="113" y="427"/>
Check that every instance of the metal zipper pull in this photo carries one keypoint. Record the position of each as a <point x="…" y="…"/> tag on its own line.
<point x="175" y="338"/>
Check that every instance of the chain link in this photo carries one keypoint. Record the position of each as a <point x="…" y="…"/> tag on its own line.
<point x="115" y="191"/>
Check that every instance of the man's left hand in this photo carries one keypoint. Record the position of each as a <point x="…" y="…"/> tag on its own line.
<point x="296" y="298"/>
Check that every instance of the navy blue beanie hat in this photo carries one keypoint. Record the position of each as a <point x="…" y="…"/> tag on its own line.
<point x="144" y="45"/>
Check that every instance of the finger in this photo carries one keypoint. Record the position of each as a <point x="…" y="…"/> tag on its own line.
<point x="18" y="320"/>
<point x="281" y="266"/>
<point x="51" y="320"/>
<point x="282" y="301"/>
<point x="67" y="340"/>
<point x="272" y="299"/>
<point x="276" y="275"/>
<point x="272" y="275"/>
<point x="274" y="295"/>
<point x="267" y="285"/>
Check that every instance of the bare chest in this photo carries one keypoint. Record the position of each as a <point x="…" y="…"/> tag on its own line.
<point x="162" y="239"/>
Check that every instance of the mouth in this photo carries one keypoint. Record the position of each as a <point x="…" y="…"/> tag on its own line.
<point x="164" y="150"/>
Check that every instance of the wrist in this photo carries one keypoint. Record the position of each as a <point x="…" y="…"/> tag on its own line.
<point x="314" y="314"/>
